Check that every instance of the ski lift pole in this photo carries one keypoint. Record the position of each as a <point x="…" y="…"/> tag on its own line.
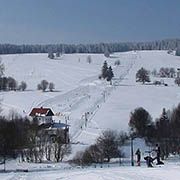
<point x="132" y="152"/>
<point x="178" y="72"/>
<point x="85" y="116"/>
<point x="4" y="162"/>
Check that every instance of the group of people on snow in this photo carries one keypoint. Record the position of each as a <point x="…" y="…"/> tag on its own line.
<point x="149" y="160"/>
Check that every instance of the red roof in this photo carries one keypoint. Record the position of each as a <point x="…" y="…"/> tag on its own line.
<point x="41" y="111"/>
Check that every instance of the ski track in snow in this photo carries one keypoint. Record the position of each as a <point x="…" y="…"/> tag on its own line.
<point x="72" y="99"/>
<point x="19" y="177"/>
<point x="84" y="96"/>
<point x="167" y="172"/>
<point x="86" y="93"/>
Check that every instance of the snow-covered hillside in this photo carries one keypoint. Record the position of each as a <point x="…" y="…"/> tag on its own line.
<point x="50" y="171"/>
<point x="78" y="89"/>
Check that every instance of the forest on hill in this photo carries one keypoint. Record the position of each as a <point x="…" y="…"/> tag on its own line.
<point x="169" y="44"/>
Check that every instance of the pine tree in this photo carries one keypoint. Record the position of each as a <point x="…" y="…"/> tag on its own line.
<point x="110" y="74"/>
<point x="163" y="132"/>
<point x="162" y="125"/>
<point x="104" y="70"/>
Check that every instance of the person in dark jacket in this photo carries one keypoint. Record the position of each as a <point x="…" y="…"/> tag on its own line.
<point x="158" y="154"/>
<point x="149" y="161"/>
<point x="138" y="154"/>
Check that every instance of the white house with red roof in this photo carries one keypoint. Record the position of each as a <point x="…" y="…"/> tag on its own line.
<point x="46" y="123"/>
<point x="43" y="115"/>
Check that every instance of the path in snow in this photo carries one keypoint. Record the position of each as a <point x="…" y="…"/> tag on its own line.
<point x="166" y="172"/>
<point x="87" y="98"/>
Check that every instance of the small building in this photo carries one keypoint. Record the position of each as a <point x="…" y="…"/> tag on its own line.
<point x="48" y="126"/>
<point x="43" y="115"/>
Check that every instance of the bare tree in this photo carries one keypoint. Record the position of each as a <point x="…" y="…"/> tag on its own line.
<point x="95" y="153"/>
<point x="167" y="72"/>
<point x="172" y="72"/>
<point x="154" y="72"/>
<point x="23" y="86"/>
<point x="177" y="81"/>
<point x="51" y="55"/>
<point x="117" y="63"/>
<point x="13" y="114"/>
<point x="12" y="83"/>
<point x="107" y="144"/>
<point x="2" y="68"/>
<point x="43" y="85"/>
<point x="58" y="54"/>
<point x="48" y="150"/>
<point x="106" y="52"/>
<point x="51" y="86"/>
<point x="142" y="76"/>
<point x="39" y="87"/>
<point x="61" y="148"/>
<point x="89" y="59"/>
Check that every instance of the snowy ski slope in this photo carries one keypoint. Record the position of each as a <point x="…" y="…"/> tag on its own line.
<point x="79" y="91"/>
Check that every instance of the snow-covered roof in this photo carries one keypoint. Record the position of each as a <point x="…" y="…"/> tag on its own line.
<point x="41" y="112"/>
<point x="59" y="125"/>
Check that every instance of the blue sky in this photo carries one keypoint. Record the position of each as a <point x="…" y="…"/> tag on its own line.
<point x="88" y="21"/>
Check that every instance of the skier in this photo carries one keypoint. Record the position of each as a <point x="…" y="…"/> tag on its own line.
<point x="158" y="154"/>
<point x="138" y="154"/>
<point x="149" y="161"/>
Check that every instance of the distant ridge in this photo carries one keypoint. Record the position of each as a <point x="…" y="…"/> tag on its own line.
<point x="166" y="44"/>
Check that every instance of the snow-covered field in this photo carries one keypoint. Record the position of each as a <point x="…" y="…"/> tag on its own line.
<point x="168" y="171"/>
<point x="78" y="91"/>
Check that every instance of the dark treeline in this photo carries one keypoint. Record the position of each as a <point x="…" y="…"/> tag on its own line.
<point x="172" y="44"/>
<point x="26" y="139"/>
<point x="10" y="84"/>
<point x="164" y="130"/>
